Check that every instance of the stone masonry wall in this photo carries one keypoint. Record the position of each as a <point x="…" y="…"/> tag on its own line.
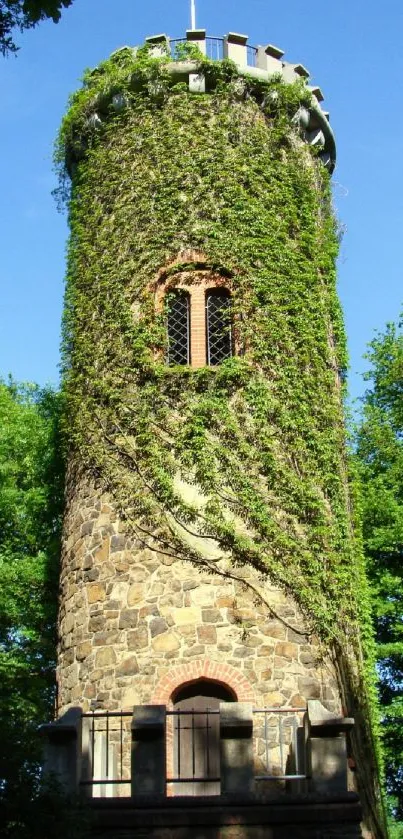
<point x="135" y="624"/>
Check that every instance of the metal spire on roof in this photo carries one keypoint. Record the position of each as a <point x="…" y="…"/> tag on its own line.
<point x="193" y="14"/>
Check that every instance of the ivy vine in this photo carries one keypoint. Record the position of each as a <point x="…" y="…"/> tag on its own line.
<point x="158" y="172"/>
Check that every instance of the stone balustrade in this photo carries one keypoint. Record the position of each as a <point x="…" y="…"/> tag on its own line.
<point x="68" y="752"/>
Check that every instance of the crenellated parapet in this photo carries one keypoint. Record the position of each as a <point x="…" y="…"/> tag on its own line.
<point x="260" y="63"/>
<point x="183" y="61"/>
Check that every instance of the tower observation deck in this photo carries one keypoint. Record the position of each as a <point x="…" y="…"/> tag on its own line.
<point x="259" y="63"/>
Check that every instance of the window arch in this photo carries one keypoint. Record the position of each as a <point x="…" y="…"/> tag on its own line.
<point x="219" y="337"/>
<point x="178" y="326"/>
<point x="196" y="298"/>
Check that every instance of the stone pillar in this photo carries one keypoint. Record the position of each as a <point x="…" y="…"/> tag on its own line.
<point x="62" y="750"/>
<point x="268" y="58"/>
<point x="326" y="749"/>
<point x="148" y="750"/>
<point x="236" y="748"/>
<point x="159" y="45"/>
<point x="292" y="72"/>
<point x="198" y="38"/>
<point x="235" y="48"/>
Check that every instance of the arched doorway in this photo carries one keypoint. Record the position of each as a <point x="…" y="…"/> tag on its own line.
<point x="196" y="740"/>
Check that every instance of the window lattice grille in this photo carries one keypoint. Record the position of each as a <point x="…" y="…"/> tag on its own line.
<point x="178" y="308"/>
<point x="219" y="331"/>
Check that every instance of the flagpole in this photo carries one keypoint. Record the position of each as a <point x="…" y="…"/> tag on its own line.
<point x="193" y="14"/>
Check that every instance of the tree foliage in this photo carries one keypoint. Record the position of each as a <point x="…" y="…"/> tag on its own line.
<point x="31" y="494"/>
<point x="23" y="14"/>
<point x="380" y="453"/>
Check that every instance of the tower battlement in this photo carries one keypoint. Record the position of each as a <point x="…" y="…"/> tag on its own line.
<point x="260" y="64"/>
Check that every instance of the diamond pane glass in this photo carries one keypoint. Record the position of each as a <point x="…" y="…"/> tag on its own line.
<point x="219" y="332"/>
<point x="178" y="306"/>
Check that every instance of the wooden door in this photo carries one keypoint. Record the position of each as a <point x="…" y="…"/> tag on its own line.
<point x="197" y="746"/>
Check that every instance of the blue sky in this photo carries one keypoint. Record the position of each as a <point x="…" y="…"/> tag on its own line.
<point x="353" y="51"/>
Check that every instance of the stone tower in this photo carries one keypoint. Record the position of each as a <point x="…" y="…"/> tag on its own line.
<point x="209" y="546"/>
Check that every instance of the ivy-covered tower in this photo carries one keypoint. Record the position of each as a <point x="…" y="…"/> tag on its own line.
<point x="209" y="545"/>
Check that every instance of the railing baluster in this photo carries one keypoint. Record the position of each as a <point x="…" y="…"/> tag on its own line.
<point x="215" y="48"/>
<point x="266" y="737"/>
<point x="107" y="746"/>
<point x="207" y="743"/>
<point x="280" y="731"/>
<point x="251" y="53"/>
<point x="92" y="745"/>
<point x="179" y="746"/>
<point x="121" y="747"/>
<point x="295" y="743"/>
<point x="193" y="745"/>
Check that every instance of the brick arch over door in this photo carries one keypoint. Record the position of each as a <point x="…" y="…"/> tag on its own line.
<point x="216" y="671"/>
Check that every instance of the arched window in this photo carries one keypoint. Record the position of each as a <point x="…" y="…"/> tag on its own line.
<point x="219" y="338"/>
<point x="197" y="301"/>
<point x="178" y="325"/>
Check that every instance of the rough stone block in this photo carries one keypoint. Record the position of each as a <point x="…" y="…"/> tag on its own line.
<point x="207" y="634"/>
<point x="128" y="667"/>
<point x="158" y="626"/>
<point x="83" y="650"/>
<point x="166" y="643"/>
<point x="138" y="639"/>
<point x="197" y="650"/>
<point x="308" y="687"/>
<point x="187" y="615"/>
<point x="105" y="657"/>
<point x="211" y="615"/>
<point x="96" y="592"/>
<point x="128" y="618"/>
<point x="135" y="594"/>
<point x="286" y="650"/>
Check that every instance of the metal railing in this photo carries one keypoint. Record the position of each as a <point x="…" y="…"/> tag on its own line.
<point x="193" y="738"/>
<point x="279" y="748"/>
<point x="174" y="42"/>
<point x="196" y="751"/>
<point x="251" y="56"/>
<point x="214" y="49"/>
<point x="106" y="753"/>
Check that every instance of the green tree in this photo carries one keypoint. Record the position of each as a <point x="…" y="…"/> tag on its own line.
<point x="23" y="14"/>
<point x="380" y="454"/>
<point x="31" y="495"/>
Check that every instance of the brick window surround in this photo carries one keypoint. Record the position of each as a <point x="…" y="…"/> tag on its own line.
<point x="194" y="276"/>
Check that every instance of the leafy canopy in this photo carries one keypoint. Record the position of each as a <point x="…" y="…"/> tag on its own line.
<point x="380" y="454"/>
<point x="23" y="14"/>
<point x="31" y="494"/>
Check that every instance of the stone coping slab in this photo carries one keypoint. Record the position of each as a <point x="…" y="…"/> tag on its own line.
<point x="216" y="811"/>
